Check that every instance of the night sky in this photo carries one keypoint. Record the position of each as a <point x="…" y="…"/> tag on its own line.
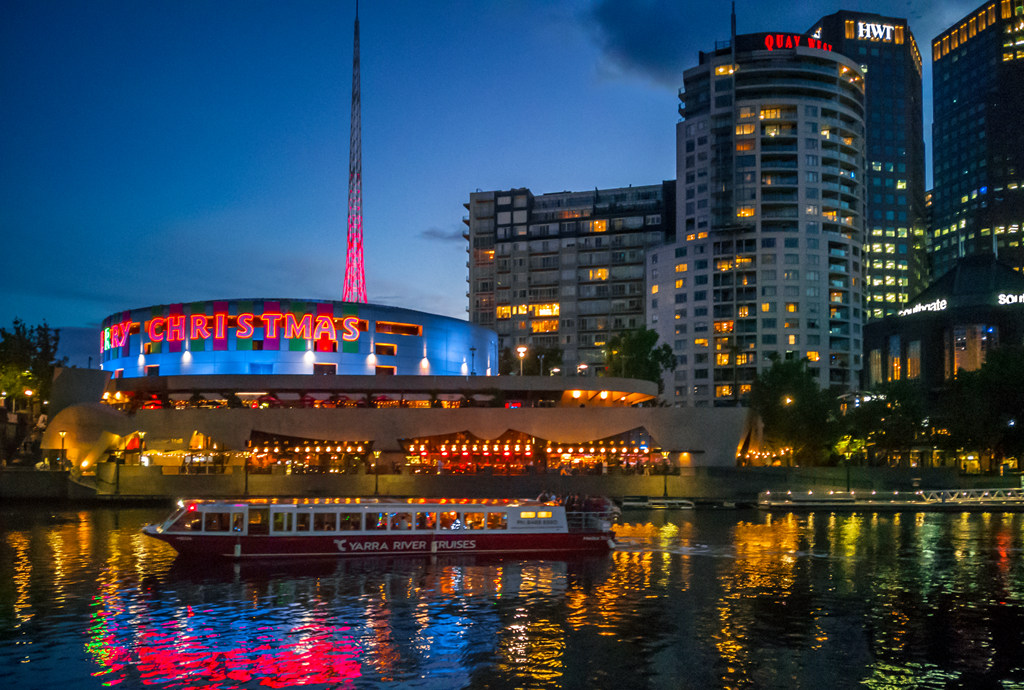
<point x="156" y="151"/>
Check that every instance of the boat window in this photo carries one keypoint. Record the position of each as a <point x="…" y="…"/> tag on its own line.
<point x="544" y="513"/>
<point x="497" y="521"/>
<point x="377" y="521"/>
<point x="302" y="522"/>
<point x="282" y="522"/>
<point x="258" y="521"/>
<point x="324" y="522"/>
<point x="237" y="522"/>
<point x="401" y="521"/>
<point x="475" y="520"/>
<point x="191" y="521"/>
<point x="350" y="521"/>
<point x="450" y="520"/>
<point x="426" y="520"/>
<point x="216" y="522"/>
<point x="528" y="514"/>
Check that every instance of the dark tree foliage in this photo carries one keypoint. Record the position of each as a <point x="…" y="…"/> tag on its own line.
<point x="796" y="413"/>
<point x="28" y="356"/>
<point x="890" y="424"/>
<point x="983" y="410"/>
<point x="635" y="354"/>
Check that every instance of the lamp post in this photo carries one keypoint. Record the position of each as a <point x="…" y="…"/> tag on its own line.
<point x="521" y="351"/>
<point x="472" y="361"/>
<point x="555" y="370"/>
<point x="541" y="358"/>
<point x="62" y="435"/>
<point x="581" y="369"/>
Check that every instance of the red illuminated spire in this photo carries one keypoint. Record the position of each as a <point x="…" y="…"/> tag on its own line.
<point x="355" y="280"/>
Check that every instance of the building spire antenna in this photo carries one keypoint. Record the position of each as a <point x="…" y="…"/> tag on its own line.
<point x="355" y="279"/>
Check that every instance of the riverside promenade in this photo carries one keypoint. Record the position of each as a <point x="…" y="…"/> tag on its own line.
<point x="704" y="485"/>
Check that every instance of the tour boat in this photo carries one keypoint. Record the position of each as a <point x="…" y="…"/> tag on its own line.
<point x="269" y="527"/>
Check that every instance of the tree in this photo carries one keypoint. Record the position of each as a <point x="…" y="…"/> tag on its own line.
<point x="796" y="413"/>
<point x="28" y="356"/>
<point x="983" y="410"/>
<point x="635" y="354"/>
<point x="888" y="424"/>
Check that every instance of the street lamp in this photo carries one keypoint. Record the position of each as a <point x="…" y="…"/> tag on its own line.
<point x="581" y="369"/>
<point x="541" y="358"/>
<point x="555" y="370"/>
<point x="62" y="435"/>
<point x="472" y="361"/>
<point x="521" y="350"/>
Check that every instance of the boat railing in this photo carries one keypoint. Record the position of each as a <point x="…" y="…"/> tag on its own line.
<point x="588" y="520"/>
<point x="973" y="495"/>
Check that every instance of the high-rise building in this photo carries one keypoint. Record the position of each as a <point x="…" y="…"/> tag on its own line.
<point x="977" y="137"/>
<point x="895" y="246"/>
<point x="563" y="270"/>
<point x="767" y="261"/>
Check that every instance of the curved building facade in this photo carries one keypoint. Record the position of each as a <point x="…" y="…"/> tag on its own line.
<point x="281" y="336"/>
<point x="770" y="205"/>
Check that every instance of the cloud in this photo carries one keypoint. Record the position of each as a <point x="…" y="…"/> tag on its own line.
<point x="646" y="37"/>
<point x="443" y="235"/>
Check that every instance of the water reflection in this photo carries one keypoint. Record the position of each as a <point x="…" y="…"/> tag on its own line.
<point x="693" y="599"/>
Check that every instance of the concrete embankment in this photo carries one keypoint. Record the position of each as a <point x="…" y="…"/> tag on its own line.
<point x="708" y="484"/>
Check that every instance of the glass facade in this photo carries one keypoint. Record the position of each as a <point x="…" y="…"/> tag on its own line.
<point x="978" y="75"/>
<point x="895" y="251"/>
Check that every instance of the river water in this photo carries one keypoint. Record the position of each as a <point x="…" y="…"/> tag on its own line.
<point x="695" y="599"/>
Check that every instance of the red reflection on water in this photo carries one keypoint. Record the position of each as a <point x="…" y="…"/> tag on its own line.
<point x="196" y="656"/>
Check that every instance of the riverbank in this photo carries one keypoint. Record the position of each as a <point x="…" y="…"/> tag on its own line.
<point x="703" y="485"/>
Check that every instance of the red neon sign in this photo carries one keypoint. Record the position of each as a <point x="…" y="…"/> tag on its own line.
<point x="781" y="41"/>
<point x="177" y="328"/>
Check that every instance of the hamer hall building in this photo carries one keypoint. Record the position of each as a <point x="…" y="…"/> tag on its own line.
<point x="281" y="387"/>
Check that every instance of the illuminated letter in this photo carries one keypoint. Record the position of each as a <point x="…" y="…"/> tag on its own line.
<point x="154" y="328"/>
<point x="863" y="30"/>
<point x="244" y="329"/>
<point x="789" y="41"/>
<point x="303" y="328"/>
<point x="271" y="322"/>
<point x="351" y="326"/>
<point x="119" y="333"/>
<point x="325" y="328"/>
<point x="175" y="328"/>
<point x="220" y="325"/>
<point x="197" y="327"/>
<point x="768" y="42"/>
<point x="796" y="41"/>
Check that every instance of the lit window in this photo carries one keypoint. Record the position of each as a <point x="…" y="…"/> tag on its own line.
<point x="813" y="355"/>
<point x="682" y="268"/>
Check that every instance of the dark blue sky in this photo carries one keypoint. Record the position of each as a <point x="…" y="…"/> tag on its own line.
<point x="156" y="151"/>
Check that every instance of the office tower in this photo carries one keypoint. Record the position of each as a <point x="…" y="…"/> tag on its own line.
<point x="977" y="137"/>
<point x="563" y="270"/>
<point x="895" y="245"/>
<point x="767" y="261"/>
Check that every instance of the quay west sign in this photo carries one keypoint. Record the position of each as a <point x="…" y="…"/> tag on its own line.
<point x="177" y="328"/>
<point x="782" y="41"/>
